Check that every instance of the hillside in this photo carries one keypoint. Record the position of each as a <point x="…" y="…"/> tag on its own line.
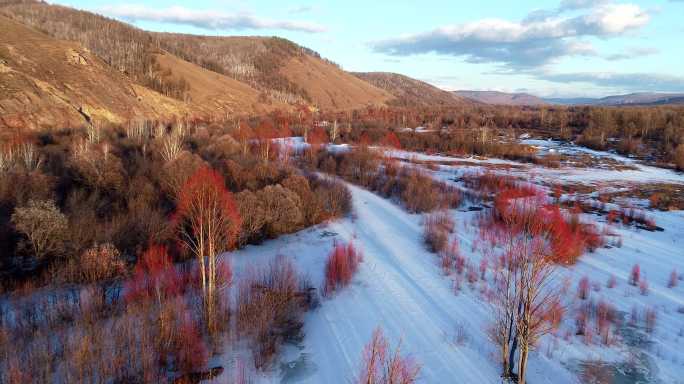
<point x="210" y="91"/>
<point x="48" y="82"/>
<point x="501" y="98"/>
<point x="330" y="87"/>
<point x="411" y="92"/>
<point x="283" y="70"/>
<point x="279" y="71"/>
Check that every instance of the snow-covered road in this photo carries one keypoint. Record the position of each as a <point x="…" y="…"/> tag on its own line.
<point x="399" y="288"/>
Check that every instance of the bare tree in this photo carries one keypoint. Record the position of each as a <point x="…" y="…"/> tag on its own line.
<point x="383" y="365"/>
<point x="525" y="291"/>
<point x="43" y="224"/>
<point x="208" y="222"/>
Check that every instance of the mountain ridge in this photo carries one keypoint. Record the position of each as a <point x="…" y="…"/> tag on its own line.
<point x="501" y="98"/>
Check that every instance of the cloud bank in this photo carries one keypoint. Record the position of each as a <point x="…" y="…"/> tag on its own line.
<point x="540" y="39"/>
<point x="205" y="19"/>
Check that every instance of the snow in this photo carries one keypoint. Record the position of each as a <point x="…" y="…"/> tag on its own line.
<point x="401" y="289"/>
<point x="641" y="173"/>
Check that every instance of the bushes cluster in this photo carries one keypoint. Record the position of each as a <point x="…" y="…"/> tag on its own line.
<point x="525" y="210"/>
<point x="437" y="228"/>
<point x="65" y="192"/>
<point x="343" y="262"/>
<point x="65" y="335"/>
<point x="416" y="190"/>
<point x="148" y="329"/>
<point x="604" y="317"/>
<point x="270" y="303"/>
<point x="95" y="206"/>
<point x="296" y="202"/>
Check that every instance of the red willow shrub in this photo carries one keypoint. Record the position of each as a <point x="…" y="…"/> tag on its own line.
<point x="192" y="352"/>
<point x="391" y="140"/>
<point x="631" y="216"/>
<point x="674" y="277"/>
<point x="635" y="275"/>
<point x="583" y="288"/>
<point x="436" y="230"/>
<point x="605" y="321"/>
<point x="452" y="261"/>
<point x="524" y="210"/>
<point x="155" y="276"/>
<point x="488" y="182"/>
<point x="343" y="262"/>
<point x="650" y="318"/>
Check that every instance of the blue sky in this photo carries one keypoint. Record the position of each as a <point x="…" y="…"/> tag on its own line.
<point x="563" y="48"/>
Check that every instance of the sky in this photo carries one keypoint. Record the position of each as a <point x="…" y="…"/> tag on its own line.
<point x="563" y="48"/>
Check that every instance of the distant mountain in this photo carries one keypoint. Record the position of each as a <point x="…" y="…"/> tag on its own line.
<point x="642" y="98"/>
<point x="411" y="92"/>
<point x="571" y="100"/>
<point x="501" y="98"/>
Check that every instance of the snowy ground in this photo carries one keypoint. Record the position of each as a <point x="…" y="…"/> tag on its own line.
<point x="641" y="173"/>
<point x="401" y="288"/>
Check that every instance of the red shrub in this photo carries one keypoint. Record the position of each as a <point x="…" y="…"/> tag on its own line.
<point x="650" y="320"/>
<point x="583" y="288"/>
<point x="383" y="365"/>
<point x="643" y="287"/>
<point x="673" y="279"/>
<point x="391" y="140"/>
<point x="483" y="268"/>
<point x="582" y="319"/>
<point x="524" y="210"/>
<point x="605" y="318"/>
<point x="191" y="350"/>
<point x="436" y="230"/>
<point x="471" y="274"/>
<point x="555" y="314"/>
<point x="488" y="182"/>
<point x="447" y="263"/>
<point x="342" y="263"/>
<point x="635" y="275"/>
<point x="155" y="276"/>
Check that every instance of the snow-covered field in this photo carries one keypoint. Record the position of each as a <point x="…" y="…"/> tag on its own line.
<point x="401" y="288"/>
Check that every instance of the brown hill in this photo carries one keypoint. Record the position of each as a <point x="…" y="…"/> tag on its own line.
<point x="411" y="92"/>
<point x="501" y="98"/>
<point x="48" y="82"/>
<point x="330" y="87"/>
<point x="283" y="70"/>
<point x="211" y="92"/>
<point x="280" y="70"/>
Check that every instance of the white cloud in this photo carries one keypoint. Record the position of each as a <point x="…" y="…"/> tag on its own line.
<point x="612" y="19"/>
<point x="300" y="9"/>
<point x="571" y="5"/>
<point x="633" y="52"/>
<point x="206" y="19"/>
<point x="532" y="42"/>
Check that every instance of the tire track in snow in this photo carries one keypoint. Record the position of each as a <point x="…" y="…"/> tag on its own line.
<point x="401" y="290"/>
